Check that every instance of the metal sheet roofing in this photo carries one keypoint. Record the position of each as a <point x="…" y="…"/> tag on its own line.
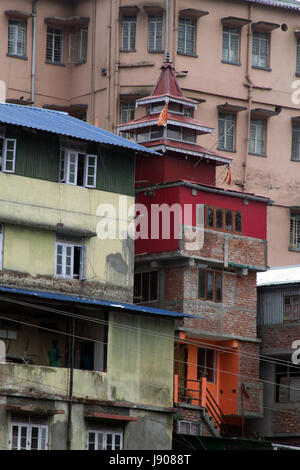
<point x="289" y="4"/>
<point x="279" y="275"/>
<point x="61" y="123"/>
<point x="96" y="302"/>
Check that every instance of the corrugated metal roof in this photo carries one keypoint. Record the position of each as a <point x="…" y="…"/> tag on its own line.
<point x="279" y="275"/>
<point x="61" y="123"/>
<point x="289" y="4"/>
<point x="92" y="301"/>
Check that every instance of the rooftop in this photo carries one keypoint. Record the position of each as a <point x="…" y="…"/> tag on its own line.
<point x="289" y="4"/>
<point x="62" y="123"/>
<point x="279" y="275"/>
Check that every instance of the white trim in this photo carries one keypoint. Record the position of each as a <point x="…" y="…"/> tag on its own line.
<point x="104" y="433"/>
<point x="67" y="246"/>
<point x="5" y="160"/>
<point x="29" y="427"/>
<point x="164" y="147"/>
<point x="166" y="99"/>
<point x="123" y="128"/>
<point x="87" y="165"/>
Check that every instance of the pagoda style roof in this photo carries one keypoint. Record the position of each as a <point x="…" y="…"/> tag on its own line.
<point x="186" y="148"/>
<point x="172" y="119"/>
<point x="167" y="89"/>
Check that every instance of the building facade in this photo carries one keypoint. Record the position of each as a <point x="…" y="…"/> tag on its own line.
<point x="198" y="251"/>
<point x="82" y="365"/>
<point x="94" y="58"/>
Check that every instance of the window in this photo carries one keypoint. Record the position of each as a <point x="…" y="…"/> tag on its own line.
<point x="257" y="137"/>
<point x="231" y="45"/>
<point x="190" y="428"/>
<point x="77" y="168"/>
<point x="295" y="231"/>
<point x="127" y="111"/>
<point x="70" y="257"/>
<point x="186" y="36"/>
<point x="146" y="286"/>
<point x="260" y="50"/>
<point x="210" y="285"/>
<point x="155" y="34"/>
<point x="296" y="142"/>
<point x="206" y="364"/>
<point x="149" y="133"/>
<point x="7" y="155"/>
<point x="16" y="38"/>
<point x="128" y="33"/>
<point x="181" y="133"/>
<point x="54" y="46"/>
<point x="298" y="57"/>
<point x="227" y="123"/>
<point x="287" y="379"/>
<point x="291" y="308"/>
<point x="28" y="434"/>
<point x="223" y="219"/>
<point x="78" y="46"/>
<point x="104" y="440"/>
<point x="1" y="246"/>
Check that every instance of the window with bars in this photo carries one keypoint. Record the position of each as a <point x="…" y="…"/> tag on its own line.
<point x="287" y="380"/>
<point x="145" y="134"/>
<point x="155" y="34"/>
<point x="257" y="140"/>
<point x="128" y="33"/>
<point x="78" y="169"/>
<point x="28" y="434"/>
<point x="298" y="57"/>
<point x="219" y="218"/>
<point x="206" y="364"/>
<point x="226" y="127"/>
<point x="190" y="428"/>
<point x="70" y="257"/>
<point x="210" y="285"/>
<point x="104" y="440"/>
<point x="260" y="50"/>
<point x="291" y="308"/>
<point x="54" y="46"/>
<point x="181" y="133"/>
<point x="78" y="46"/>
<point x="296" y="142"/>
<point x="127" y="111"/>
<point x="16" y="38"/>
<point x="186" y="36"/>
<point x="231" y="45"/>
<point x="295" y="231"/>
<point x="146" y="286"/>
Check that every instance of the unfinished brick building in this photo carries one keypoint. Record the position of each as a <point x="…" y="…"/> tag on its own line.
<point x="204" y="263"/>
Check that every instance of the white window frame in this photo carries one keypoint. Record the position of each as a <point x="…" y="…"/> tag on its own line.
<point x="4" y="158"/>
<point x="16" y="37"/>
<point x="68" y="169"/>
<point x="190" y="424"/>
<point x="155" y="33"/>
<point x="295" y="231"/>
<point x="28" y="427"/>
<point x="129" y="33"/>
<point x="255" y="126"/>
<point x="261" y="59"/>
<point x="231" y="54"/>
<point x="52" y="34"/>
<point x="228" y="122"/>
<point x="104" y="434"/>
<point x="65" y="247"/>
<point x="186" y="27"/>
<point x="77" y="50"/>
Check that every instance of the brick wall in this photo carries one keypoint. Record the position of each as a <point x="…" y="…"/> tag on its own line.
<point x="279" y="337"/>
<point x="251" y="402"/>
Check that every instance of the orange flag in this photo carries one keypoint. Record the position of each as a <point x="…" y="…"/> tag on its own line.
<point x="162" y="120"/>
<point x="228" y="176"/>
<point x="96" y="122"/>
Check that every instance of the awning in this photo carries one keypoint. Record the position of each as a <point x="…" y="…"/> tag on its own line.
<point x="154" y="9"/>
<point x="261" y="113"/>
<point x="231" y="108"/>
<point x="109" y="417"/>
<point x="96" y="302"/>
<point x="193" y="13"/>
<point x="296" y="120"/>
<point x="129" y="10"/>
<point x="297" y="33"/>
<point x="34" y="409"/>
<point x="234" y="21"/>
<point x="69" y="21"/>
<point x="21" y="15"/>
<point x="264" y="26"/>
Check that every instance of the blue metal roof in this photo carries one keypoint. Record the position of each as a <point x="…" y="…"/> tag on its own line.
<point x="92" y="301"/>
<point x="289" y="4"/>
<point x="62" y="123"/>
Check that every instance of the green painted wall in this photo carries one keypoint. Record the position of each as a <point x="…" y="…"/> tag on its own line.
<point x="38" y="157"/>
<point x="140" y="359"/>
